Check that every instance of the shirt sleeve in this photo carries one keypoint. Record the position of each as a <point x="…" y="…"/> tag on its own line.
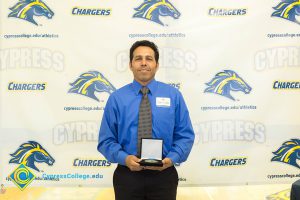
<point x="183" y="136"/>
<point x="108" y="135"/>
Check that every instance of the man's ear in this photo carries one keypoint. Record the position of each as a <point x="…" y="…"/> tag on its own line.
<point x="130" y="65"/>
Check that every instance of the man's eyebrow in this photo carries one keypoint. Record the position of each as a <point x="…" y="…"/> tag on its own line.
<point x="147" y="56"/>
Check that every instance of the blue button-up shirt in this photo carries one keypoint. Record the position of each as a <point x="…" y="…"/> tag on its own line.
<point x="170" y="122"/>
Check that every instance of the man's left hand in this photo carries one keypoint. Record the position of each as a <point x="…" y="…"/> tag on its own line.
<point x="167" y="162"/>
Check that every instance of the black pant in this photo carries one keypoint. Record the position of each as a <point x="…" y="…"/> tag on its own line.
<point x="145" y="184"/>
<point x="295" y="191"/>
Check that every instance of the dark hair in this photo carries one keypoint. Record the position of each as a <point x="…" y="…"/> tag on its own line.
<point x="144" y="43"/>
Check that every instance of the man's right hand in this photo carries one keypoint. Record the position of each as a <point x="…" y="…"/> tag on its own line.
<point x="132" y="163"/>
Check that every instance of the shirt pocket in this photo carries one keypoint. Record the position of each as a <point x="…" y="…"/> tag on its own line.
<point x="164" y="120"/>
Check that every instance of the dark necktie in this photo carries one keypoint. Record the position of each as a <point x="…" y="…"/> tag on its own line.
<point x="145" y="119"/>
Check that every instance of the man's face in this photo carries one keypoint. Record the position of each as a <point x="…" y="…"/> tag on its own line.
<point x="143" y="65"/>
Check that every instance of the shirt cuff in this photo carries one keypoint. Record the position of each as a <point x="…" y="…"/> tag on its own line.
<point x="174" y="157"/>
<point x="122" y="157"/>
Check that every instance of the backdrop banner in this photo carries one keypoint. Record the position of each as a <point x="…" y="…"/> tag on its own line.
<point x="237" y="64"/>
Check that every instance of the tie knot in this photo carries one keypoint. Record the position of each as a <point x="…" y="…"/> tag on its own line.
<point x="144" y="90"/>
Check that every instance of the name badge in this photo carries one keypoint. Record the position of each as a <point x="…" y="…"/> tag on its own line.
<point x="163" y="102"/>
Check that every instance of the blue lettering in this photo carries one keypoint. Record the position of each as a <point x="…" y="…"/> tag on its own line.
<point x="74" y="11"/>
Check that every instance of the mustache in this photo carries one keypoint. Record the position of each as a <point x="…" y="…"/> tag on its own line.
<point x="144" y="68"/>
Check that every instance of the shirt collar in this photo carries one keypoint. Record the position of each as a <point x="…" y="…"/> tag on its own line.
<point x="151" y="86"/>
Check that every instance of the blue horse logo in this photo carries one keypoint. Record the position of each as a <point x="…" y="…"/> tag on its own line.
<point x="288" y="9"/>
<point x="225" y="82"/>
<point x="153" y="9"/>
<point x="288" y="153"/>
<point x="89" y="83"/>
<point x="29" y="153"/>
<point x="26" y="9"/>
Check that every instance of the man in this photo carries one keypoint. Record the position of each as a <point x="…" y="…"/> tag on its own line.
<point x="169" y="118"/>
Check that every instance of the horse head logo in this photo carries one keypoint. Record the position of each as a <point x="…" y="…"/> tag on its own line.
<point x="288" y="153"/>
<point x="29" y="153"/>
<point x="26" y="9"/>
<point x="288" y="9"/>
<point x="225" y="82"/>
<point x="89" y="83"/>
<point x="153" y="9"/>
